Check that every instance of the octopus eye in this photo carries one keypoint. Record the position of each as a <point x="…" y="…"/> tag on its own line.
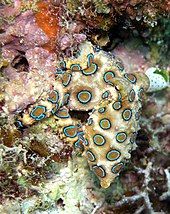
<point x="105" y="124"/>
<point x="70" y="131"/>
<point x="121" y="137"/>
<point x="117" y="105"/>
<point x="127" y="114"/>
<point x="38" y="112"/>
<point x="96" y="49"/>
<point x="113" y="155"/>
<point x="53" y="97"/>
<point x="91" y="157"/>
<point x="99" y="171"/>
<point x="117" y="167"/>
<point x="131" y="78"/>
<point x="99" y="140"/>
<point x="101" y="110"/>
<point x="84" y="96"/>
<point x="131" y="95"/>
<point x="108" y="76"/>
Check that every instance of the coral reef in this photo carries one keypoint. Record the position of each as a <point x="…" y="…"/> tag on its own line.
<point x="104" y="14"/>
<point x="51" y="74"/>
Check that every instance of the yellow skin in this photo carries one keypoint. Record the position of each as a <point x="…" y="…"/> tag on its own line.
<point x="95" y="80"/>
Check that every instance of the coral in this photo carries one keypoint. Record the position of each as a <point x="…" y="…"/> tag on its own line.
<point x="104" y="14"/>
<point x="47" y="19"/>
<point x="61" y="193"/>
<point x="62" y="95"/>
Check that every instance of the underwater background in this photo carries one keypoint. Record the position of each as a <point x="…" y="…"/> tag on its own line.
<point x="49" y="52"/>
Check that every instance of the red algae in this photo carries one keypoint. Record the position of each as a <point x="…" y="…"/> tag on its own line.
<point x="47" y="19"/>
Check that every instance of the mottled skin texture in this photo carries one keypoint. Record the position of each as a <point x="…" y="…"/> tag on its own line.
<point x="94" y="80"/>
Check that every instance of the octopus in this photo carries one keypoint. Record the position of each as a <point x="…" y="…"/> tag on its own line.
<point x="95" y="82"/>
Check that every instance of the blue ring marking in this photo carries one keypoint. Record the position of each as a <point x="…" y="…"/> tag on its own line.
<point x="59" y="71"/>
<point x="90" y="73"/>
<point x="80" y="134"/>
<point x="91" y="157"/>
<point x="131" y="96"/>
<point x="124" y="112"/>
<point x="121" y="133"/>
<point x="19" y="124"/>
<point x="110" y="153"/>
<point x="89" y="121"/>
<point x="62" y="68"/>
<point x="127" y="76"/>
<point x="89" y="64"/>
<point x="101" y="169"/>
<point x="105" y="120"/>
<point x="65" y="84"/>
<point x="140" y="93"/>
<point x="119" y="97"/>
<point x="60" y="111"/>
<point x="105" y="76"/>
<point x="101" y="110"/>
<point x="86" y="101"/>
<point x="90" y="57"/>
<point x="65" y="99"/>
<point x="105" y="94"/>
<point x="120" y="66"/>
<point x="78" y="144"/>
<point x="86" y="143"/>
<point x="100" y="137"/>
<point x="95" y="69"/>
<point x="133" y="137"/>
<point x="55" y="109"/>
<point x="68" y="135"/>
<point x="117" y="105"/>
<point x="117" y="165"/>
<point x="62" y="64"/>
<point x="57" y="98"/>
<point x="41" y="116"/>
<point x="73" y="66"/>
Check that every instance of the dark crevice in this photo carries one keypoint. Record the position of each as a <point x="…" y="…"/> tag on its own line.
<point x="80" y="115"/>
<point x="20" y="63"/>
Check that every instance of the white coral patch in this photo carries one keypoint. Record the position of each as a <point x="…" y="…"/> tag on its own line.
<point x="157" y="81"/>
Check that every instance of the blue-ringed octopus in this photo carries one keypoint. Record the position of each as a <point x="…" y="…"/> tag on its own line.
<point x="95" y="81"/>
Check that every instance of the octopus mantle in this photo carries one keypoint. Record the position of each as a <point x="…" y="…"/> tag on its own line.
<point x="94" y="81"/>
